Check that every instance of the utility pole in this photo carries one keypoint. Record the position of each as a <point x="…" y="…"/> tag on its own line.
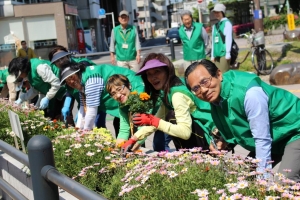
<point x="258" y="19"/>
<point x="199" y="11"/>
<point x="146" y="20"/>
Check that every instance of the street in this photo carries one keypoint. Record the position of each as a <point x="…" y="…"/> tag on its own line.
<point x="157" y="45"/>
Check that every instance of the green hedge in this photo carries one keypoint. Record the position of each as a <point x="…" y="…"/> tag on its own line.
<point x="276" y="21"/>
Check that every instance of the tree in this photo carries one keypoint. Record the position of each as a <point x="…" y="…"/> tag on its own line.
<point x="294" y="5"/>
<point x="195" y="14"/>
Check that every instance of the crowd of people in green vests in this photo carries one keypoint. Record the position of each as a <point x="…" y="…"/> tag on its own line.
<point x="210" y="107"/>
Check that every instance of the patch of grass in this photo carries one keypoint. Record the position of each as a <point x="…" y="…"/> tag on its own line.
<point x="289" y="55"/>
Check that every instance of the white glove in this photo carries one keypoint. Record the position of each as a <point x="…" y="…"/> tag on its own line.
<point x="18" y="102"/>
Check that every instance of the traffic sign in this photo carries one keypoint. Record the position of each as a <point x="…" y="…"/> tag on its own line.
<point x="291" y="21"/>
<point x="101" y="13"/>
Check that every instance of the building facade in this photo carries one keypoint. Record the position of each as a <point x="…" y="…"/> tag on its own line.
<point x="41" y="25"/>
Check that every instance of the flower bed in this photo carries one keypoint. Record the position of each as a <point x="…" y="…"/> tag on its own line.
<point x="91" y="159"/>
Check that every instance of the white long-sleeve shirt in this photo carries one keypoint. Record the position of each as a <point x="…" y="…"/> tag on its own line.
<point x="228" y="39"/>
<point x="47" y="75"/>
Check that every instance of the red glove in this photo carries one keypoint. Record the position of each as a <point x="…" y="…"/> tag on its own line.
<point x="145" y="120"/>
<point x="128" y="145"/>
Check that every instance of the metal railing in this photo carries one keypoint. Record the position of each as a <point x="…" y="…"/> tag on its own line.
<point x="45" y="178"/>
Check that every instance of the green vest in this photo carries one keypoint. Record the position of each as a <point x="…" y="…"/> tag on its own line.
<point x="202" y="113"/>
<point x="193" y="48"/>
<point x="37" y="82"/>
<point x="231" y="119"/>
<point x="220" y="47"/>
<point x="73" y="92"/>
<point x="3" y="76"/>
<point x="78" y="60"/>
<point x="107" y="103"/>
<point x="125" y="54"/>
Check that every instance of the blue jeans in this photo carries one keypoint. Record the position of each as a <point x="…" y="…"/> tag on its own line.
<point x="161" y="141"/>
<point x="100" y="121"/>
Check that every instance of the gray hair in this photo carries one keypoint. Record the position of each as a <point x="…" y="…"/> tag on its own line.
<point x="186" y="12"/>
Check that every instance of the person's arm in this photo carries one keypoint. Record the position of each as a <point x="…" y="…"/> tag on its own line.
<point x="212" y="57"/>
<point x="182" y="129"/>
<point x="30" y="94"/>
<point x="124" y="132"/>
<point x="47" y="75"/>
<point x="32" y="53"/>
<point x="228" y="39"/>
<point x="93" y="90"/>
<point x="257" y="111"/>
<point x="112" y="48"/>
<point x="12" y="91"/>
<point x="19" y="53"/>
<point x="204" y="36"/>
<point x="80" y="118"/>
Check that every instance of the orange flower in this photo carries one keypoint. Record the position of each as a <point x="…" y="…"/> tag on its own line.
<point x="134" y="92"/>
<point x="138" y="151"/>
<point x="144" y="96"/>
<point x="121" y="144"/>
<point x="54" y="121"/>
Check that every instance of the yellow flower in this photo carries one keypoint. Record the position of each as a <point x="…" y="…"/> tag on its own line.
<point x="144" y="96"/>
<point x="134" y="92"/>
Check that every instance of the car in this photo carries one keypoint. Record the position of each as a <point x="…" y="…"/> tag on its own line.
<point x="173" y="34"/>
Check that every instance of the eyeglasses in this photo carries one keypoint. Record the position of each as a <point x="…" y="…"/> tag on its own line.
<point x="117" y="91"/>
<point x="205" y="83"/>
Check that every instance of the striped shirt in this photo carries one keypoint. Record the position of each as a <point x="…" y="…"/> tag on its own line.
<point x="92" y="90"/>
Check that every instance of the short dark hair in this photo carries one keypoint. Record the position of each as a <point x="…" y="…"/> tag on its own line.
<point x="19" y="64"/>
<point x="23" y="41"/>
<point x="73" y="66"/>
<point x="116" y="80"/>
<point x="56" y="49"/>
<point x="209" y="66"/>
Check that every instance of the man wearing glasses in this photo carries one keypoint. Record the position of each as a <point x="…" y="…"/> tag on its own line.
<point x="125" y="48"/>
<point x="26" y="52"/>
<point x="247" y="111"/>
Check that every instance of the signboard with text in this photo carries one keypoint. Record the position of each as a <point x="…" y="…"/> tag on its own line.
<point x="16" y="128"/>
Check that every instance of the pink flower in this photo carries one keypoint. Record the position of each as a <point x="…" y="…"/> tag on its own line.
<point x="286" y="195"/>
<point x="214" y="162"/>
<point x="220" y="191"/>
<point x="239" y="162"/>
<point x="236" y="196"/>
<point x="233" y="190"/>
<point x="287" y="170"/>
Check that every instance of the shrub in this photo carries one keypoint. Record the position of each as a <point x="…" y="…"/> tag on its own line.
<point x="32" y="122"/>
<point x="276" y="21"/>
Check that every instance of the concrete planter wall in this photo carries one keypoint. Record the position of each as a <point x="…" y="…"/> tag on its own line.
<point x="11" y="171"/>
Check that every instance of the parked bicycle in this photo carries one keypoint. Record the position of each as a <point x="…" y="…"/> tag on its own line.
<point x="261" y="58"/>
